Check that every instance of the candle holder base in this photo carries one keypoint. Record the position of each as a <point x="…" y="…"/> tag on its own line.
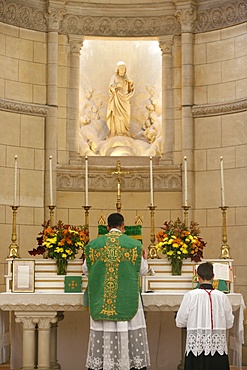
<point x="152" y="252"/>
<point x="13" y="251"/>
<point x="225" y="252"/>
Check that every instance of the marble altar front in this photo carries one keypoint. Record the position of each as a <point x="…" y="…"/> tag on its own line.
<point x="38" y="314"/>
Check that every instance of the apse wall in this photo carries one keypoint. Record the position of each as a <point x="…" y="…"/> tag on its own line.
<point x="220" y="116"/>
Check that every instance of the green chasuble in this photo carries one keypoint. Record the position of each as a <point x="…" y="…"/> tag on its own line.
<point x="113" y="262"/>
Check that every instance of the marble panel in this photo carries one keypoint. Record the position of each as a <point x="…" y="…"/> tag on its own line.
<point x="33" y="73"/>
<point x="11" y="135"/>
<point x="31" y="188"/>
<point x="207" y="189"/>
<point x="206" y="37"/>
<point x="208" y="74"/>
<point x="40" y="52"/>
<point x="241" y="155"/>
<point x="213" y="158"/>
<point x="234" y="129"/>
<point x="240" y="44"/>
<point x="25" y="157"/>
<point x="235" y="69"/>
<point x="39" y="94"/>
<point x="200" y="216"/>
<point x="241" y="215"/>
<point x="9" y="68"/>
<point x="15" y="90"/>
<point x="19" y="48"/>
<point x="233" y="31"/>
<point x="221" y="92"/>
<point x="200" y="54"/>
<point x="207" y="132"/>
<point x="9" y="30"/>
<point x="33" y="35"/>
<point x="241" y="88"/>
<point x="200" y="160"/>
<point x="32" y="132"/>
<point x="220" y="50"/>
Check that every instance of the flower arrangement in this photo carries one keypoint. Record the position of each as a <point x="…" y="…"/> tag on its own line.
<point x="61" y="241"/>
<point x="177" y="241"/>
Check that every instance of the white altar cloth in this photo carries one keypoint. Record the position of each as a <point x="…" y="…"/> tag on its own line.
<point x="46" y="303"/>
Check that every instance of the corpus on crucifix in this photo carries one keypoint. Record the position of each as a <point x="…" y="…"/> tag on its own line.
<point x="118" y="173"/>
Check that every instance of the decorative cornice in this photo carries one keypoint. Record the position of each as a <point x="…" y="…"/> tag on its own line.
<point x="102" y="181"/>
<point x="219" y="109"/>
<point x="221" y="15"/>
<point x="94" y="21"/>
<point x="24" y="108"/>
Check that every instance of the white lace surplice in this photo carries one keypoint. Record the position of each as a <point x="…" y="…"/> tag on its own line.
<point x="119" y="345"/>
<point x="195" y="314"/>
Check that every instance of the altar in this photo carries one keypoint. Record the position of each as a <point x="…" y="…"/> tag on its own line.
<point x="36" y="338"/>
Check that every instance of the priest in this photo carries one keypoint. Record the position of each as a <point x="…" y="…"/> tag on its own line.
<point x="118" y="338"/>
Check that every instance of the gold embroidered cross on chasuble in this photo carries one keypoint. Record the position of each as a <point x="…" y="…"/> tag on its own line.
<point x="114" y="263"/>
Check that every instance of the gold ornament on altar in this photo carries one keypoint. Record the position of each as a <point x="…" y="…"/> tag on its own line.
<point x="179" y="242"/>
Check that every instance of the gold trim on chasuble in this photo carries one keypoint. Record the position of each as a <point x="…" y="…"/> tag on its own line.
<point x="112" y="254"/>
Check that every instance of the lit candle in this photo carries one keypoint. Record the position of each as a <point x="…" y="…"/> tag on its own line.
<point x="51" y="197"/>
<point x="151" y="182"/>
<point x="185" y="182"/>
<point x="15" y="182"/>
<point x="222" y="183"/>
<point x="86" y="181"/>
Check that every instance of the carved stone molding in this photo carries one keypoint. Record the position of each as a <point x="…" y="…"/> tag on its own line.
<point x="94" y="21"/>
<point x="221" y="15"/>
<point x="24" y="108"/>
<point x="219" y="109"/>
<point x="100" y="181"/>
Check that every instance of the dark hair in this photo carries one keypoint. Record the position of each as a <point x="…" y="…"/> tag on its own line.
<point x="205" y="271"/>
<point x="115" y="220"/>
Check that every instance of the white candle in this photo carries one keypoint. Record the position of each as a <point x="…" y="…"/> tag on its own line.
<point x="222" y="183"/>
<point x="86" y="181"/>
<point x="151" y="182"/>
<point x="51" y="195"/>
<point x="185" y="182"/>
<point x="15" y="182"/>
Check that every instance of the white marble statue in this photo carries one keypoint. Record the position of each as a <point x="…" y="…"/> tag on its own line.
<point x="121" y="89"/>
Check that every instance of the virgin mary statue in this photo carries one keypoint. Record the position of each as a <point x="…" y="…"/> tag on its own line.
<point x="121" y="89"/>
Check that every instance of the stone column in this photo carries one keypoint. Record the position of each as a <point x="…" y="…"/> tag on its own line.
<point x="165" y="43"/>
<point x="44" y="321"/>
<point x="76" y="43"/>
<point x="55" y="15"/>
<point x="28" y="349"/>
<point x="186" y="14"/>
<point x="53" y="343"/>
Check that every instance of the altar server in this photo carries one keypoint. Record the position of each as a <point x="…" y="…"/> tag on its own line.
<point x="207" y="314"/>
<point x="118" y="338"/>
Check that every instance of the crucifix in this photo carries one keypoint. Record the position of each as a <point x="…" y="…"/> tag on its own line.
<point x="118" y="173"/>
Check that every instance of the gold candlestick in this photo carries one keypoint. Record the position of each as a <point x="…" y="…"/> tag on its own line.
<point x="13" y="248"/>
<point x="186" y="215"/>
<point x="152" y="251"/>
<point x="86" y="224"/>
<point x="51" y="208"/>
<point x="225" y="249"/>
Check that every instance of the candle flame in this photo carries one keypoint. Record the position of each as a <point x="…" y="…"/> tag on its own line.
<point x="15" y="157"/>
<point x="221" y="158"/>
<point x="50" y="156"/>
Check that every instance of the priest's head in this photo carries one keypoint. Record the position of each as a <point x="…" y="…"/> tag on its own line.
<point x="205" y="271"/>
<point x="115" y="220"/>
